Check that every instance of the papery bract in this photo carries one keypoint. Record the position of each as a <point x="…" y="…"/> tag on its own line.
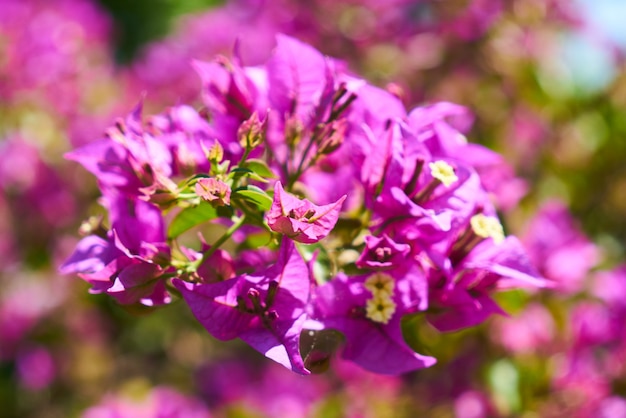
<point x="382" y="253"/>
<point x="128" y="159"/>
<point x="213" y="191"/>
<point x="266" y="309"/>
<point x="299" y="219"/>
<point x="462" y="298"/>
<point x="296" y="75"/>
<point x="127" y="262"/>
<point x="376" y="346"/>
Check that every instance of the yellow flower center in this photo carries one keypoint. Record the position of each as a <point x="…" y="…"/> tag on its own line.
<point x="380" y="309"/>
<point x="443" y="172"/>
<point x="380" y="284"/>
<point x="487" y="227"/>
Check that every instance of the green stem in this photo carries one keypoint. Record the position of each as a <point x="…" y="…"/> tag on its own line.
<point x="244" y="157"/>
<point x="241" y="164"/>
<point x="208" y="253"/>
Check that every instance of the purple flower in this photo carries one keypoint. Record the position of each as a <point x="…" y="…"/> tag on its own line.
<point x="265" y="309"/>
<point x="430" y="223"/>
<point x="309" y="95"/>
<point x="558" y="248"/>
<point x="128" y="159"/>
<point x="368" y="310"/>
<point x="299" y="219"/>
<point x="382" y="253"/>
<point x="232" y="94"/>
<point x="130" y="260"/>
<point x="218" y="267"/>
<point x="496" y="174"/>
<point x="297" y="74"/>
<point x="440" y="128"/>
<point x="460" y="290"/>
<point x="227" y="90"/>
<point x="186" y="134"/>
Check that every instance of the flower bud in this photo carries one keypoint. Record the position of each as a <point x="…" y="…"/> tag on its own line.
<point x="251" y="132"/>
<point x="215" y="154"/>
<point x="213" y="191"/>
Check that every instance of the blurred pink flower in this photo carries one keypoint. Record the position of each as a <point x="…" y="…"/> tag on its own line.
<point x="558" y="248"/>
<point x="35" y="368"/>
<point x="472" y="404"/>
<point x="160" y="402"/>
<point x="528" y="332"/>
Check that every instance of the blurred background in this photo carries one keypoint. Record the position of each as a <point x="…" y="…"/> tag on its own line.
<point x="545" y="81"/>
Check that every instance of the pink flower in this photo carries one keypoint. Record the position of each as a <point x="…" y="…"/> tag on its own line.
<point x="301" y="220"/>
<point x="382" y="253"/>
<point x="531" y="330"/>
<point x="369" y="316"/>
<point x="266" y="309"/>
<point x="213" y="191"/>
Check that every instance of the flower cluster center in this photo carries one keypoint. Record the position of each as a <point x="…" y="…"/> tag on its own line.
<point x="380" y="307"/>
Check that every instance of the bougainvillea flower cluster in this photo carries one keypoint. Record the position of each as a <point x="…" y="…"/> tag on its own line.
<point x="302" y="204"/>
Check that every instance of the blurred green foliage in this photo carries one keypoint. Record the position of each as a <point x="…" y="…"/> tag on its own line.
<point x="140" y="21"/>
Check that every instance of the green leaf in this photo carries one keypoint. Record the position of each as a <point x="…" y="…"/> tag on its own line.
<point x="240" y="172"/>
<point x="255" y="176"/>
<point x="254" y="195"/>
<point x="419" y="334"/>
<point x="260" y="168"/>
<point x="190" y="217"/>
<point x="192" y="178"/>
<point x="258" y="240"/>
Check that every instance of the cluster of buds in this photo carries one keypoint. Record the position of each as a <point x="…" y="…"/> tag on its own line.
<point x="342" y="213"/>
